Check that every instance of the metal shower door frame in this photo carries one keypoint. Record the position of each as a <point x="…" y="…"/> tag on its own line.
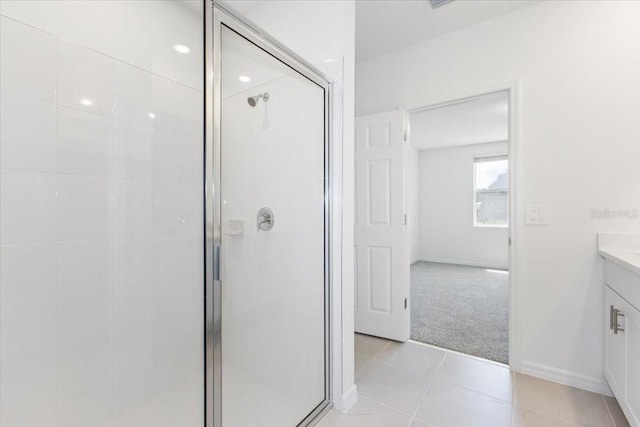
<point x="218" y="16"/>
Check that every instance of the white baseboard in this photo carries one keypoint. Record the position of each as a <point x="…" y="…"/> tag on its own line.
<point x="562" y="376"/>
<point x="347" y="400"/>
<point x="462" y="262"/>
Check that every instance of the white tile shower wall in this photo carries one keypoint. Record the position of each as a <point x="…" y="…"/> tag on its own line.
<point x="140" y="33"/>
<point x="100" y="214"/>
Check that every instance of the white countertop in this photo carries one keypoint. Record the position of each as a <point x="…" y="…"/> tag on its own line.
<point x="621" y="249"/>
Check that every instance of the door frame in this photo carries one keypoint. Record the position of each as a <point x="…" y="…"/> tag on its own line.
<point x="216" y="16"/>
<point x="513" y="157"/>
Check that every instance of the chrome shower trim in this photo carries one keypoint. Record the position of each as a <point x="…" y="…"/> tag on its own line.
<point x="211" y="185"/>
<point x="265" y="41"/>
<point x="253" y="100"/>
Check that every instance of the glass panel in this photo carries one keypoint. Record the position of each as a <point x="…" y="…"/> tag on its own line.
<point x="491" y="208"/>
<point x="272" y="148"/>
<point x="491" y="182"/>
<point x="101" y="291"/>
<point x="492" y="174"/>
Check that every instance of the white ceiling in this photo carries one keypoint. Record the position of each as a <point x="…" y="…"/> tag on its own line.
<point x="483" y="119"/>
<point x="383" y="26"/>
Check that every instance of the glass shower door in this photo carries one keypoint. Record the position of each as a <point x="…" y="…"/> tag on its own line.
<point x="272" y="235"/>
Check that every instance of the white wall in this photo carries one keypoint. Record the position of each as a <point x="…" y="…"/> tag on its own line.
<point x="446" y="226"/>
<point x="101" y="214"/>
<point x="576" y="65"/>
<point x="323" y="33"/>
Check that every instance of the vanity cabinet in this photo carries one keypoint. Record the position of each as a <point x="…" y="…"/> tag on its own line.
<point x="615" y="345"/>
<point x="622" y="338"/>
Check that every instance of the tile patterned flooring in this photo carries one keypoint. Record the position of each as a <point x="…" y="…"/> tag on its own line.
<point x="416" y="385"/>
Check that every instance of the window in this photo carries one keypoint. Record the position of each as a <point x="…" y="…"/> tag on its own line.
<point x="490" y="191"/>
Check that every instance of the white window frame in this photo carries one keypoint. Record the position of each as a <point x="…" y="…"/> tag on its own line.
<point x="481" y="159"/>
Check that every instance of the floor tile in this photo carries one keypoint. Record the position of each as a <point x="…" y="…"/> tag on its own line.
<point x="561" y="402"/>
<point x="418" y="423"/>
<point x="441" y="389"/>
<point x="399" y="388"/>
<point x="368" y="346"/>
<point x="449" y="405"/>
<point x="413" y="356"/>
<point x="360" y="362"/>
<point x="616" y="413"/>
<point x="366" y="413"/>
<point x="484" y="377"/>
<point x="524" y="418"/>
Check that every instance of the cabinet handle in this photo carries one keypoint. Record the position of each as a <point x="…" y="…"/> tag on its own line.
<point x="616" y="327"/>
<point x="611" y="317"/>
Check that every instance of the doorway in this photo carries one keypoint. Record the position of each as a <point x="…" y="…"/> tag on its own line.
<point x="458" y="197"/>
<point x="436" y="184"/>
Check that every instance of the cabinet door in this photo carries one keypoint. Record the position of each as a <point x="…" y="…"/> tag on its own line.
<point x="632" y="394"/>
<point x="614" y="348"/>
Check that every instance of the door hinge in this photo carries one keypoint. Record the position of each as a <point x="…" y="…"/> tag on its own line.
<point x="404" y="136"/>
<point x="509" y="241"/>
<point x="405" y="303"/>
<point x="405" y="219"/>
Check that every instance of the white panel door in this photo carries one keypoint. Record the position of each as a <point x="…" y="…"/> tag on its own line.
<point x="382" y="265"/>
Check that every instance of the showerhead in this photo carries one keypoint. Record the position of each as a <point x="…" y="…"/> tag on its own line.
<point x="253" y="100"/>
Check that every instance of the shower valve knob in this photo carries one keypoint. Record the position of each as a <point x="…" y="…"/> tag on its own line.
<point x="265" y="219"/>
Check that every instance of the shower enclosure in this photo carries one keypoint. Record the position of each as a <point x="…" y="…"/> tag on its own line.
<point x="164" y="219"/>
<point x="268" y="225"/>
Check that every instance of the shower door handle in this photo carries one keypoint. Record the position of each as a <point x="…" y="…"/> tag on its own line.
<point x="216" y="262"/>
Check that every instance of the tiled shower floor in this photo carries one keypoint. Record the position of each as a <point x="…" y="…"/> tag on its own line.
<point x="416" y="385"/>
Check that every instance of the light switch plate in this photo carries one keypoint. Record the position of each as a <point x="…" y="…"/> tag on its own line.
<point x="537" y="214"/>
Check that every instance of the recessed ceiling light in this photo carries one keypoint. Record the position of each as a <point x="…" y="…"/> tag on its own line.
<point x="181" y="48"/>
<point x="152" y="115"/>
<point x="86" y="102"/>
<point x="244" y="79"/>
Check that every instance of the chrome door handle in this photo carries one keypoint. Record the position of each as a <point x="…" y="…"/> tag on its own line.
<point x="616" y="327"/>
<point x="611" y="321"/>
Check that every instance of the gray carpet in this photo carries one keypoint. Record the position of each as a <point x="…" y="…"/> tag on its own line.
<point x="461" y="308"/>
